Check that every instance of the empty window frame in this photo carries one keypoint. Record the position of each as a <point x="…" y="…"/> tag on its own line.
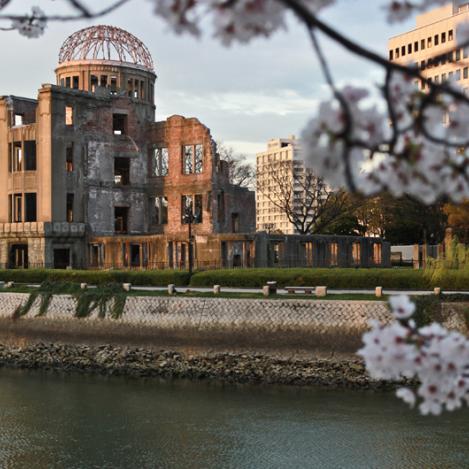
<point x="377" y="251"/>
<point x="30" y="207"/>
<point x="67" y="82"/>
<point x="450" y="35"/>
<point x="443" y="38"/>
<point x="113" y="85"/>
<point x="30" y="155"/>
<point x="16" y="157"/>
<point x="160" y="163"/>
<point x="465" y="73"/>
<point x="103" y="81"/>
<point x="409" y="48"/>
<point x="17" y="208"/>
<point x="334" y="254"/>
<point x="69" y="208"/>
<point x="422" y="44"/>
<point x="193" y="159"/>
<point x="188" y="159"/>
<point x="93" y="83"/>
<point x="68" y="115"/>
<point x="69" y="157"/>
<point x="416" y="46"/>
<point x="235" y="222"/>
<point x="198" y="208"/>
<point x="199" y="159"/>
<point x="122" y="171"/>
<point x="356" y="253"/>
<point x="18" y="119"/>
<point x="457" y="75"/>
<point x="221" y="207"/>
<point x="161" y="210"/>
<point x="436" y="39"/>
<point x="396" y="52"/>
<point x="429" y="42"/>
<point x="402" y="51"/>
<point x="121" y="219"/>
<point x="75" y="82"/>
<point x="391" y="55"/>
<point x="186" y="208"/>
<point x="119" y="124"/>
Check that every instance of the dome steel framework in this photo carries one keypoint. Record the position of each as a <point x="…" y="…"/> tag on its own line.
<point x="105" y="43"/>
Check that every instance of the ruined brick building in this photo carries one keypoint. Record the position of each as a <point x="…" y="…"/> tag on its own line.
<point x="89" y="179"/>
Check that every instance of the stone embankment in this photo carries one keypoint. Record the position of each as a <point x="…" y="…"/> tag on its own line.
<point x="227" y="367"/>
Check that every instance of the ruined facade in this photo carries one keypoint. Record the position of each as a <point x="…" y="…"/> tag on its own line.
<point x="89" y="179"/>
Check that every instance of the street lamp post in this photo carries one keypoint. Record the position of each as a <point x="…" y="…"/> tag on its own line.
<point x="190" y="218"/>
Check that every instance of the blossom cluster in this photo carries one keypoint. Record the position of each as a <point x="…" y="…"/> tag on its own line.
<point x="437" y="358"/>
<point x="410" y="142"/>
<point x="33" y="25"/>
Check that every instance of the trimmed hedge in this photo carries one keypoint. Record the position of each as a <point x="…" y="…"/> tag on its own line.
<point x="332" y="278"/>
<point x="158" y="278"/>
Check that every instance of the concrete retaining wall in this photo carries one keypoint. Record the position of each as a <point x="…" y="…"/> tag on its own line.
<point x="306" y="324"/>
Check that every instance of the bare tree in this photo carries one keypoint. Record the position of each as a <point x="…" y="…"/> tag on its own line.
<point x="241" y="172"/>
<point x="307" y="201"/>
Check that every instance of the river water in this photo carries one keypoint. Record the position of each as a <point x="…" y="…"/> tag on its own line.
<point x="57" y="421"/>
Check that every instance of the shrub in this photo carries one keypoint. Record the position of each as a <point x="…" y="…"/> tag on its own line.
<point x="332" y="278"/>
<point x="427" y="310"/>
<point x="97" y="277"/>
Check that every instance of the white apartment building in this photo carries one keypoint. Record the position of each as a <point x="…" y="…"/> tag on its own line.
<point x="268" y="216"/>
<point x="430" y="45"/>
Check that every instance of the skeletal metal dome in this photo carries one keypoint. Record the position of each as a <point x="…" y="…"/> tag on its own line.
<point x="106" y="43"/>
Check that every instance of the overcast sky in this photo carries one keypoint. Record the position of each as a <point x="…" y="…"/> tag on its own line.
<point x="244" y="94"/>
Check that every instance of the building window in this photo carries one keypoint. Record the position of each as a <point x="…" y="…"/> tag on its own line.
<point x="103" y="81"/>
<point x="193" y="159"/>
<point x="235" y="222"/>
<point x="429" y="42"/>
<point x="191" y="206"/>
<point x="119" y="124"/>
<point x="199" y="159"/>
<point x="457" y="75"/>
<point x="436" y="39"/>
<point x="69" y="213"/>
<point x="69" y="157"/>
<point x="94" y="83"/>
<point x="17" y="157"/>
<point x="30" y="155"/>
<point x="30" y="207"/>
<point x="334" y="254"/>
<point x="160" y="164"/>
<point x="443" y="38"/>
<point x="458" y="55"/>
<point x="391" y="55"/>
<point x="409" y="48"/>
<point x="397" y="52"/>
<point x="161" y="210"/>
<point x="450" y="35"/>
<point x="75" y="82"/>
<point x="67" y="82"/>
<point x="17" y="208"/>
<point x="377" y="254"/>
<point x="135" y="255"/>
<point x="121" y="219"/>
<point x="18" y="119"/>
<point x="416" y="46"/>
<point x="465" y="73"/>
<point x="68" y="115"/>
<point x="402" y="51"/>
<point x="188" y="159"/>
<point x="122" y="171"/>
<point x="356" y="253"/>
<point x="113" y="85"/>
<point x="422" y="44"/>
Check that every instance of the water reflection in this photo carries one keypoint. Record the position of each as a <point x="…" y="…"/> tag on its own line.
<point x="51" y="421"/>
